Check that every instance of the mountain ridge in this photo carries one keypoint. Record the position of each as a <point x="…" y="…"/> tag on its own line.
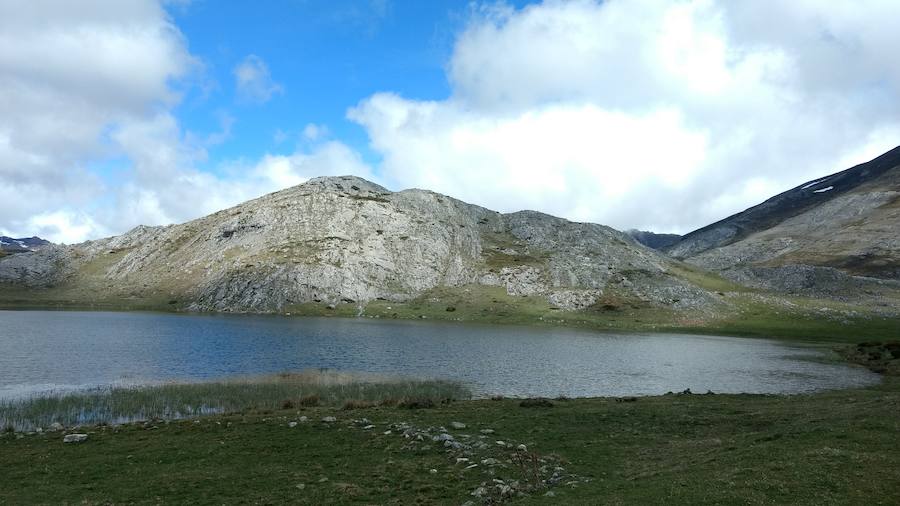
<point x="345" y="239"/>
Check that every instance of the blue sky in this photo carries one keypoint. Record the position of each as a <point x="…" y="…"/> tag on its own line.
<point x="661" y="115"/>
<point x="327" y="56"/>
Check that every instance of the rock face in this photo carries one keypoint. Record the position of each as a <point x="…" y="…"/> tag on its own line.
<point x="345" y="239"/>
<point x="837" y="234"/>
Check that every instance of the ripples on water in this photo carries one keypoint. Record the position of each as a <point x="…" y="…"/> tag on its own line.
<point x="42" y="351"/>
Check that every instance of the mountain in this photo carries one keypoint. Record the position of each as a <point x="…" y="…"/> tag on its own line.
<point x="834" y="235"/>
<point x="653" y="240"/>
<point x="10" y="245"/>
<point x="344" y="241"/>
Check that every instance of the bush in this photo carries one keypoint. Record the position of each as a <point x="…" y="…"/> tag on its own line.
<point x="309" y="401"/>
<point x="425" y="403"/>
<point x="536" y="403"/>
<point x="357" y="404"/>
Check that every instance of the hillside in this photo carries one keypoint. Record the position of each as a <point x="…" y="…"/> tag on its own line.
<point x="346" y="241"/>
<point x="878" y="175"/>
<point x="834" y="236"/>
<point x="11" y="245"/>
<point x="652" y="239"/>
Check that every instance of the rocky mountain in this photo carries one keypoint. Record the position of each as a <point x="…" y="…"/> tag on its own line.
<point x="345" y="240"/>
<point x="653" y="240"/>
<point x="11" y="245"/>
<point x="832" y="236"/>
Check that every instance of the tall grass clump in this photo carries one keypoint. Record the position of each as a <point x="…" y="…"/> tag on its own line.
<point x="182" y="400"/>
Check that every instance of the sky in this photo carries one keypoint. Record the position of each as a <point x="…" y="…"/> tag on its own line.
<point x="649" y="114"/>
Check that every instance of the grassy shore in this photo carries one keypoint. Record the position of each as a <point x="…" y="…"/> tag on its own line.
<point x="827" y="448"/>
<point x="184" y="400"/>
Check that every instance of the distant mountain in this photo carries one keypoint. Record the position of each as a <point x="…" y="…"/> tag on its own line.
<point x="653" y="240"/>
<point x="826" y="234"/>
<point x="345" y="240"/>
<point x="11" y="245"/>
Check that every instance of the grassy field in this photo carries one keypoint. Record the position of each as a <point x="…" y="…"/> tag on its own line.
<point x="827" y="448"/>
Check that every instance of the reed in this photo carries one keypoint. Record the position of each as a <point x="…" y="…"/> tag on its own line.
<point x="177" y="400"/>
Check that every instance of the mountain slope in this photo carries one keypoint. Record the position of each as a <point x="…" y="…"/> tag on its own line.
<point x="652" y="239"/>
<point x="11" y="245"/>
<point x="865" y="178"/>
<point x="346" y="240"/>
<point x="834" y="236"/>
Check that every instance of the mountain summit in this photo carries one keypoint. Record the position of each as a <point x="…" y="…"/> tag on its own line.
<point x="335" y="240"/>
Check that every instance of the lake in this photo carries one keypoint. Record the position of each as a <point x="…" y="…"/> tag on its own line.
<point x="43" y="351"/>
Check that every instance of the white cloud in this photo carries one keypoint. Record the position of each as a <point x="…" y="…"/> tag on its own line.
<point x="68" y="75"/>
<point x="253" y="80"/>
<point x="646" y="113"/>
<point x="635" y="113"/>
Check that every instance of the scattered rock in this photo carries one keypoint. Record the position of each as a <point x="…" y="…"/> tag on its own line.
<point x="329" y="419"/>
<point x="303" y="419"/>
<point x="487" y="431"/>
<point x="458" y="425"/>
<point x="75" y="438"/>
<point x="55" y="427"/>
<point x="292" y="424"/>
<point x="432" y="471"/>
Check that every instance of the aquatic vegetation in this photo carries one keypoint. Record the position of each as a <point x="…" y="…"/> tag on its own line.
<point x="181" y="400"/>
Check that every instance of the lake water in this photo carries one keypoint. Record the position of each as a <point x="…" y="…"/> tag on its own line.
<point x="44" y="351"/>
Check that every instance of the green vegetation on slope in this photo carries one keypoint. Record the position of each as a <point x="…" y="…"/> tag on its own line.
<point x="827" y="448"/>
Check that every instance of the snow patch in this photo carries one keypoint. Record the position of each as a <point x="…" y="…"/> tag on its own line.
<point x="823" y="190"/>
<point x="807" y="185"/>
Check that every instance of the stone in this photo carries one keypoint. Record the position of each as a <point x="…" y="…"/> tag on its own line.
<point x="292" y="424"/>
<point x="329" y="419"/>
<point x="487" y="431"/>
<point x="368" y="427"/>
<point x="457" y="425"/>
<point x="522" y="448"/>
<point x="75" y="438"/>
<point x="55" y="427"/>
<point x="303" y="419"/>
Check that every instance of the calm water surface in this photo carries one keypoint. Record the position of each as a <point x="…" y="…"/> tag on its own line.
<point x="56" y="351"/>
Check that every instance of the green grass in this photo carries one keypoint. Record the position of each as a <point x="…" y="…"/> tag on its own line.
<point x="827" y="448"/>
<point x="183" y="400"/>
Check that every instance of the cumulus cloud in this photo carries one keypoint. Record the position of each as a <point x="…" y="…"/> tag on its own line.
<point x="662" y="115"/>
<point x="69" y="76"/>
<point x="254" y="81"/>
<point x="89" y="143"/>
<point x="646" y="113"/>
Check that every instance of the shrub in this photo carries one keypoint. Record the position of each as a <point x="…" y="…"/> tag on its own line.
<point x="423" y="403"/>
<point x="309" y="401"/>
<point x="536" y="403"/>
<point x="357" y="404"/>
